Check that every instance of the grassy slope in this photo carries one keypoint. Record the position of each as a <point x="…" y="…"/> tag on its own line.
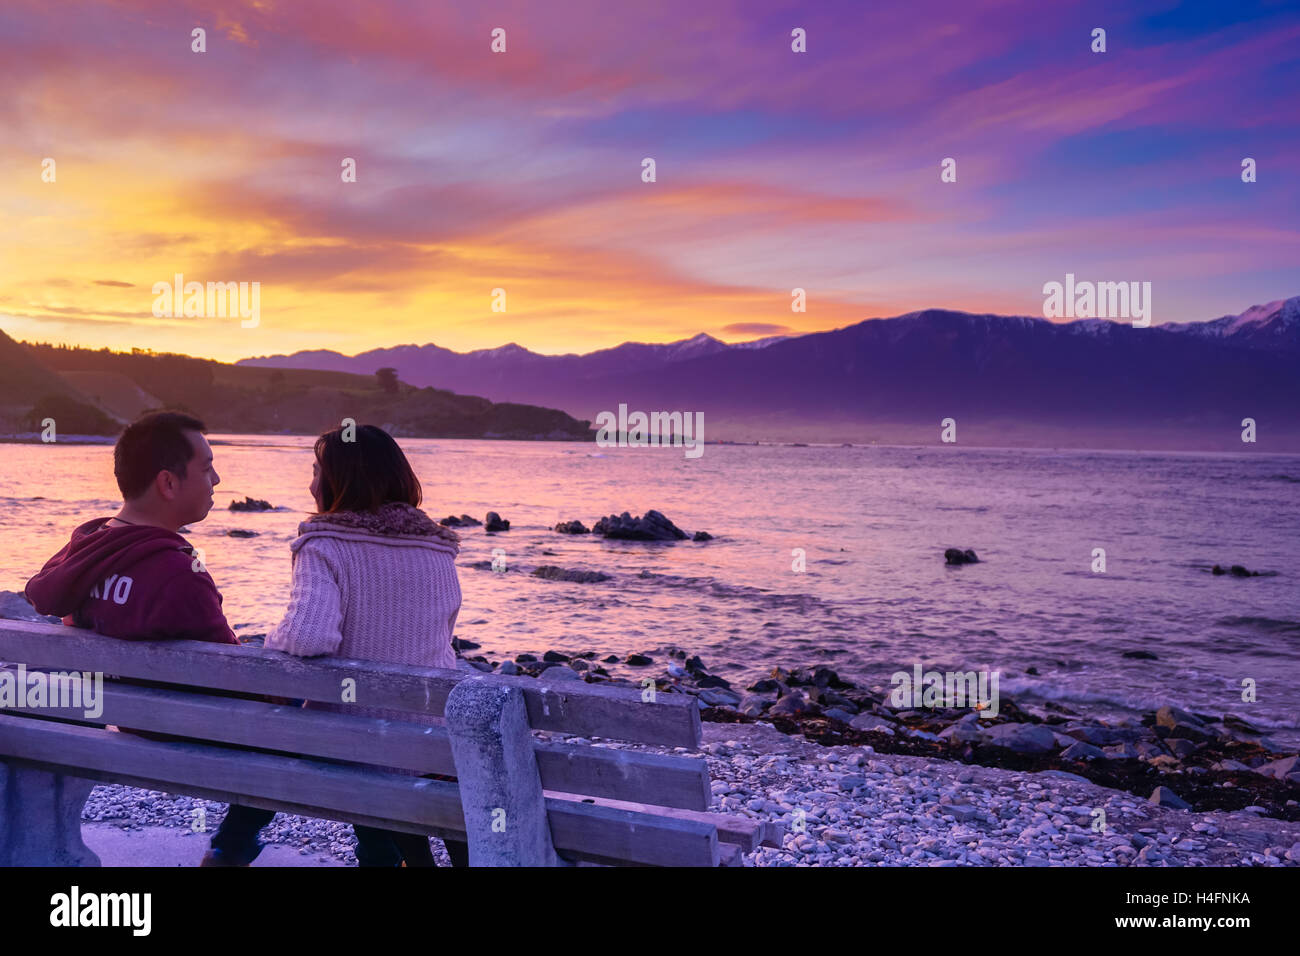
<point x="304" y="401"/>
<point x="114" y="392"/>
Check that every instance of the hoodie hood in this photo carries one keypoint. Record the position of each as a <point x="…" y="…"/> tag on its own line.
<point x="91" y="557"/>
<point x="392" y="524"/>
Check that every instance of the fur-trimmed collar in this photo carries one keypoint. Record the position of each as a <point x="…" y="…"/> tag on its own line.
<point x="393" y="520"/>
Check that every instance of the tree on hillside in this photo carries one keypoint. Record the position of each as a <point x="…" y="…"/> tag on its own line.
<point x="387" y="378"/>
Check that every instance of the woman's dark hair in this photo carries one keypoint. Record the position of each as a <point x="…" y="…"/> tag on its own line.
<point x="153" y="443"/>
<point x="362" y="474"/>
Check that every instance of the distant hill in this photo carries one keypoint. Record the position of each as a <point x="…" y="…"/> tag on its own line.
<point x="113" y="392"/>
<point x="258" y="400"/>
<point x="31" y="392"/>
<point x="24" y="379"/>
<point x="1006" y="379"/>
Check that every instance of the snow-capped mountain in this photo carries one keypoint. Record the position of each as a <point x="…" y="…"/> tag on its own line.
<point x="1272" y="325"/>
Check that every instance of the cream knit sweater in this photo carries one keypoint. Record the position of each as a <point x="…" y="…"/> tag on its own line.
<point x="373" y="586"/>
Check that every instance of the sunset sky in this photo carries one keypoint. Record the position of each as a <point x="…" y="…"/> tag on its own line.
<point x="522" y="170"/>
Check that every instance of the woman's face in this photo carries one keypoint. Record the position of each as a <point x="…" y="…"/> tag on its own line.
<point x="315" y="483"/>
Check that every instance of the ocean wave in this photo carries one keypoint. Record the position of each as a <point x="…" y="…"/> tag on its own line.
<point x="1269" y="624"/>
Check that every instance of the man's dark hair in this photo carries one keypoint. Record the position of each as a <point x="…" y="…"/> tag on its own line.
<point x="363" y="474"/>
<point x="153" y="443"/>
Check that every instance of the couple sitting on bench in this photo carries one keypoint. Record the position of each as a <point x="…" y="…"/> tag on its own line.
<point x="374" y="578"/>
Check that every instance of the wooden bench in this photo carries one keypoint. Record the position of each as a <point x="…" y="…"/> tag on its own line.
<point x="517" y="800"/>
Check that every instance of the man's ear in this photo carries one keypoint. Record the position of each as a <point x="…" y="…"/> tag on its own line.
<point x="166" y="485"/>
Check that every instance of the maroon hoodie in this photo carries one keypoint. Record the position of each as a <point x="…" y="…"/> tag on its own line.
<point x="137" y="583"/>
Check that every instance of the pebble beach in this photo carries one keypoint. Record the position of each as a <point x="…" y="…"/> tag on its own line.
<point x="863" y="808"/>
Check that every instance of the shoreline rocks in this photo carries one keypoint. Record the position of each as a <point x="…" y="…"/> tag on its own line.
<point x="494" y="522"/>
<point x="1208" y="762"/>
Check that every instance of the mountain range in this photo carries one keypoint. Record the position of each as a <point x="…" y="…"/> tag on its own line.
<point x="1011" y="380"/>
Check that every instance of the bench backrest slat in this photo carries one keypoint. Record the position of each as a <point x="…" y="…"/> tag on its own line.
<point x="340" y="792"/>
<point x="571" y="706"/>
<point x="665" y="780"/>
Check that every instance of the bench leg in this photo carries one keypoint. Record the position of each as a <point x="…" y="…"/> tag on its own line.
<point x="40" y="818"/>
<point x="500" y="789"/>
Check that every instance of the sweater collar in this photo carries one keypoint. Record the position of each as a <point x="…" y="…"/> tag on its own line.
<point x="395" y="523"/>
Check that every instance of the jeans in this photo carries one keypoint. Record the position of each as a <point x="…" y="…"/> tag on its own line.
<point x="236" y="840"/>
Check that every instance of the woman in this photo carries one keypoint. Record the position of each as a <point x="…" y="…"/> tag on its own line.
<point x="374" y="578"/>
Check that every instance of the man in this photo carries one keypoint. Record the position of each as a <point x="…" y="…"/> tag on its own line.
<point x="132" y="576"/>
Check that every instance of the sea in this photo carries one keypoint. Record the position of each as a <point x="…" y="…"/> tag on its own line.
<point x="821" y="556"/>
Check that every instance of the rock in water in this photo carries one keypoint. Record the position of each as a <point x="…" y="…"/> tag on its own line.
<point x="241" y="533"/>
<point x="494" y="522"/>
<point x="572" y="527"/>
<point x="702" y="536"/>
<point x="552" y="573"/>
<point x="251" y="504"/>
<point x="464" y="521"/>
<point x="1237" y="571"/>
<point x="958" y="556"/>
<point x="1140" y="655"/>
<point x="652" y="527"/>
